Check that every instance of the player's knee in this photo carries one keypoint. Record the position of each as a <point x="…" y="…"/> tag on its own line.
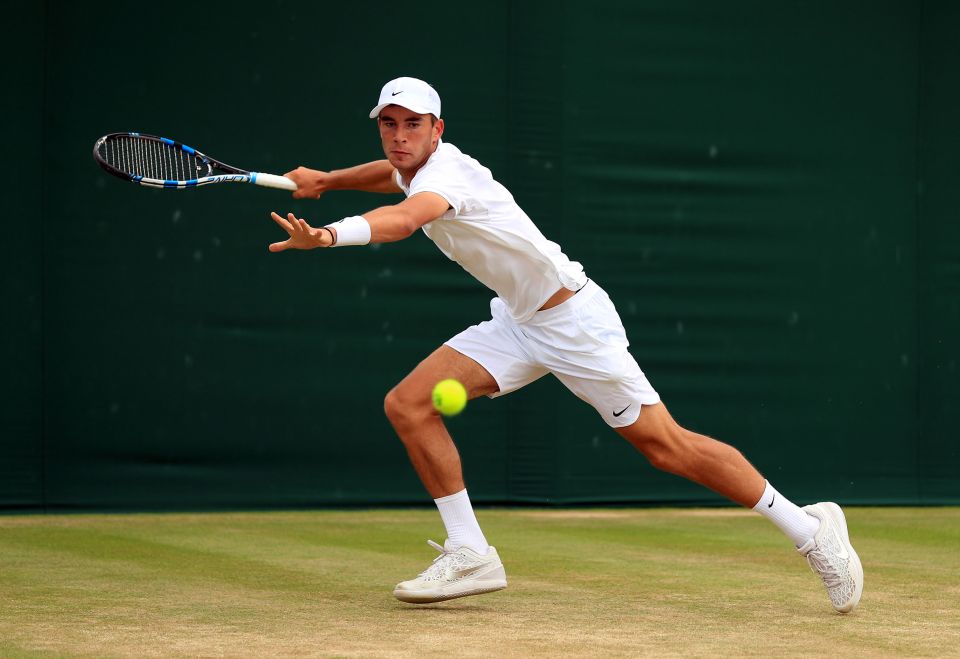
<point x="663" y="448"/>
<point x="404" y="408"/>
<point x="392" y="406"/>
<point x="664" y="458"/>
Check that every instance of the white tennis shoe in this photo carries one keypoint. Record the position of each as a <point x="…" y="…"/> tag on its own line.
<point x="454" y="573"/>
<point x="831" y="556"/>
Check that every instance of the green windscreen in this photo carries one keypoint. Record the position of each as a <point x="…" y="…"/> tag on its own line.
<point x="766" y="190"/>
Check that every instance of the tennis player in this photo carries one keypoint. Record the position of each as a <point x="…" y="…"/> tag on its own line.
<point x="547" y="317"/>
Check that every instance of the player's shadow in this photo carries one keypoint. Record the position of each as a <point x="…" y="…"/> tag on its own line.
<point x="444" y="608"/>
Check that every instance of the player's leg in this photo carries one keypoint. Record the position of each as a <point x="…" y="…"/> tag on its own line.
<point x="437" y="463"/>
<point x="420" y="427"/>
<point x="715" y="465"/>
<point x="487" y="360"/>
<point x="585" y="346"/>
<point x="432" y="452"/>
<point x="819" y="531"/>
<point x="696" y="457"/>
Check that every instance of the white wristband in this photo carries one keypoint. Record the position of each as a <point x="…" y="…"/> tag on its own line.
<point x="351" y="231"/>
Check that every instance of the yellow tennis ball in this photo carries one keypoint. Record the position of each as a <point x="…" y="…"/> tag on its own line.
<point x="449" y="397"/>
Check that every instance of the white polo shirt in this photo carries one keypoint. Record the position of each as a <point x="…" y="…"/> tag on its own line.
<point x="490" y="236"/>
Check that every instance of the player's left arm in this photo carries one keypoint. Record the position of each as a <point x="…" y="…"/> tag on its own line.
<point x="392" y="223"/>
<point x="387" y="224"/>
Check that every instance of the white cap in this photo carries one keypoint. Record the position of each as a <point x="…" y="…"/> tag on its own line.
<point x="409" y="93"/>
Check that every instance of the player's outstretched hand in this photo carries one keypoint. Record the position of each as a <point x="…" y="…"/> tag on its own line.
<point x="311" y="183"/>
<point x="302" y="235"/>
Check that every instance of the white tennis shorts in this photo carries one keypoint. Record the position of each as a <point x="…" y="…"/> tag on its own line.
<point x="581" y="341"/>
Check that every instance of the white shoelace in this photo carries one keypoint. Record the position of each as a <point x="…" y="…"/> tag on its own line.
<point x="822" y="566"/>
<point x="439" y="565"/>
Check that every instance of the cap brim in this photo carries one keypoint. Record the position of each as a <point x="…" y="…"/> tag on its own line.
<point x="419" y="109"/>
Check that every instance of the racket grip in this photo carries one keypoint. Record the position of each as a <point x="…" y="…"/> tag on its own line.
<point x="273" y="181"/>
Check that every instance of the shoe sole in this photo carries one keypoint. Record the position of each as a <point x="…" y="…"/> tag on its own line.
<point x="855" y="567"/>
<point x="453" y="592"/>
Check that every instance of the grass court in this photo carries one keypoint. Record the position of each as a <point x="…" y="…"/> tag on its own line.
<point x="583" y="582"/>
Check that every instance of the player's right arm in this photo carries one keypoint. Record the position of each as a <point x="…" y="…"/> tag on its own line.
<point x="377" y="176"/>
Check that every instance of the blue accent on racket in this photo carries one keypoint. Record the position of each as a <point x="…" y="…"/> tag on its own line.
<point x="160" y="162"/>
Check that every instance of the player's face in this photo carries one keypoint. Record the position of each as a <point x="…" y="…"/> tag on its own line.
<point x="408" y="138"/>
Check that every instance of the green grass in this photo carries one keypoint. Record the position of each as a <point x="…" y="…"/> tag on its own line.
<point x="582" y="582"/>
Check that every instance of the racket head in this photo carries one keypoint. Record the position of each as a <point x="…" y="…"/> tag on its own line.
<point x="153" y="161"/>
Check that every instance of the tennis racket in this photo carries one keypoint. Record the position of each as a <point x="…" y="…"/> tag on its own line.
<point x="162" y="163"/>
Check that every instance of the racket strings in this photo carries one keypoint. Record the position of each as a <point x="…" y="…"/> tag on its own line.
<point x="152" y="159"/>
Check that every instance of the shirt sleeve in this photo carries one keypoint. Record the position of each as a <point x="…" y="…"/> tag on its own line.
<point x="448" y="185"/>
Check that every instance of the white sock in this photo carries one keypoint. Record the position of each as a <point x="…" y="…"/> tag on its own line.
<point x="462" y="527"/>
<point x="789" y="518"/>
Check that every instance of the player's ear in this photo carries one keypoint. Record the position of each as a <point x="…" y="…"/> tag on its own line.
<point x="437" y="129"/>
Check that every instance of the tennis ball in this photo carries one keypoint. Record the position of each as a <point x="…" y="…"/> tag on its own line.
<point x="449" y="397"/>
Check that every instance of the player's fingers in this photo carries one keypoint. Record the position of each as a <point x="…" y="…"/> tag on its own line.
<point x="282" y="222"/>
<point x="294" y="222"/>
<point x="278" y="247"/>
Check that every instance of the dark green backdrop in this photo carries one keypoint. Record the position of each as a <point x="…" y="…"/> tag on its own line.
<point x="767" y="190"/>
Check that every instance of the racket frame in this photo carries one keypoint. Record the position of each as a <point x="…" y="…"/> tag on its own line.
<point x="231" y="174"/>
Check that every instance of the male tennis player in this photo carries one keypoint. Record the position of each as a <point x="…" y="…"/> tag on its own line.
<point x="547" y="317"/>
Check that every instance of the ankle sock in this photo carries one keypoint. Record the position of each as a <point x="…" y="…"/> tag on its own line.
<point x="463" y="530"/>
<point x="788" y="517"/>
